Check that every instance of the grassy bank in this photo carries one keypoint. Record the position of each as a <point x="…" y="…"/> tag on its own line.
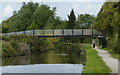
<point x="94" y="63"/>
<point x="113" y="54"/>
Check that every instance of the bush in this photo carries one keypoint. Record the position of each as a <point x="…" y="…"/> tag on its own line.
<point x="114" y="44"/>
<point x="23" y="48"/>
<point x="7" y="49"/>
<point x="24" y="44"/>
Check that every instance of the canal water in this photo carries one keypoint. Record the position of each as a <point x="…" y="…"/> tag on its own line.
<point x="62" y="59"/>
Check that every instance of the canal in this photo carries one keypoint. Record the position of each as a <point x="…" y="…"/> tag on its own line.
<point x="61" y="59"/>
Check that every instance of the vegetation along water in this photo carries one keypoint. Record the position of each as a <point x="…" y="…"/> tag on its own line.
<point x="69" y="52"/>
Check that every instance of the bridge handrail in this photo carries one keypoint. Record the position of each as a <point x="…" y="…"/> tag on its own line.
<point x="53" y="32"/>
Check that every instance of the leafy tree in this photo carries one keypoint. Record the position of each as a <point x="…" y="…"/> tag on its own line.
<point x="23" y="18"/>
<point x="42" y="15"/>
<point x="85" y="20"/>
<point x="5" y="25"/>
<point x="108" y="22"/>
<point x="32" y="26"/>
<point x="62" y="24"/>
<point x="117" y="8"/>
<point x="71" y="21"/>
<point x="104" y="20"/>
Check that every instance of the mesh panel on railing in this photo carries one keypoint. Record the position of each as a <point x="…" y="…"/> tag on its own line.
<point x="87" y="31"/>
<point x="67" y="32"/>
<point x="19" y="33"/>
<point x="77" y="31"/>
<point x="58" y="32"/>
<point x="3" y="34"/>
<point x="8" y="34"/>
<point x="48" y="32"/>
<point x="39" y="32"/>
<point x="30" y="32"/>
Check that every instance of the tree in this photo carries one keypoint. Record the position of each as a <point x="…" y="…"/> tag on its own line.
<point x="23" y="18"/>
<point x="85" y="20"/>
<point x="117" y="8"/>
<point x="32" y="26"/>
<point x="5" y="26"/>
<point x="108" y="22"/>
<point x="43" y="15"/>
<point x="71" y="21"/>
<point x="117" y="21"/>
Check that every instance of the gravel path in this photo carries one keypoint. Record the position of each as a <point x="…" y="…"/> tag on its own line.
<point x="109" y="60"/>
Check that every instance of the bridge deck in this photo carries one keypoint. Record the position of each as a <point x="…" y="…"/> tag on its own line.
<point x="57" y="32"/>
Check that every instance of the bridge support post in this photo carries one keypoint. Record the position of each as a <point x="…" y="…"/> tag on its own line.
<point x="82" y="31"/>
<point x="5" y="34"/>
<point x="63" y="32"/>
<point x="33" y="32"/>
<point x="43" y="32"/>
<point x="72" y="32"/>
<point x="92" y="33"/>
<point x="24" y="32"/>
<point x="53" y="32"/>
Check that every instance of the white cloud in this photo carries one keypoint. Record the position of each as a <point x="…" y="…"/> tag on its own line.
<point x="7" y="12"/>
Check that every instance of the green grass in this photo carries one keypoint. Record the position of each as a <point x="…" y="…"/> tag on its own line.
<point x="94" y="63"/>
<point x="116" y="56"/>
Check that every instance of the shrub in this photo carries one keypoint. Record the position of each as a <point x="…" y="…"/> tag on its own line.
<point x="23" y="48"/>
<point x="7" y="49"/>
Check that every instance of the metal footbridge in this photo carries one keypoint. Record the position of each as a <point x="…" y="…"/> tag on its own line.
<point x="57" y="33"/>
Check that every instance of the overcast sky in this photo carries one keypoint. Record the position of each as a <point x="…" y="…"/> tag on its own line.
<point x="63" y="8"/>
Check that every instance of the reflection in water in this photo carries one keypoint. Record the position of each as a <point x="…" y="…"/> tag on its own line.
<point x="63" y="54"/>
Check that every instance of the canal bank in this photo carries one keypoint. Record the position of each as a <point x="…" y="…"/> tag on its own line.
<point x="107" y="58"/>
<point x="94" y="63"/>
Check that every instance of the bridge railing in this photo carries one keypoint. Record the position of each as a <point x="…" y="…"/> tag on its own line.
<point x="56" y="32"/>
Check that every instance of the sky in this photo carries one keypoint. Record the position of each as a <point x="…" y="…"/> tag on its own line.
<point x="63" y="7"/>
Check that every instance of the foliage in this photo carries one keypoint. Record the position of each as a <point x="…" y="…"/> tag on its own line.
<point x="85" y="20"/>
<point x="32" y="16"/>
<point x="43" y="14"/>
<point x="32" y="26"/>
<point x="24" y="44"/>
<point x="5" y="26"/>
<point x="108" y="22"/>
<point x="72" y="19"/>
<point x="40" y="16"/>
<point x="7" y="49"/>
<point x="23" y="18"/>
